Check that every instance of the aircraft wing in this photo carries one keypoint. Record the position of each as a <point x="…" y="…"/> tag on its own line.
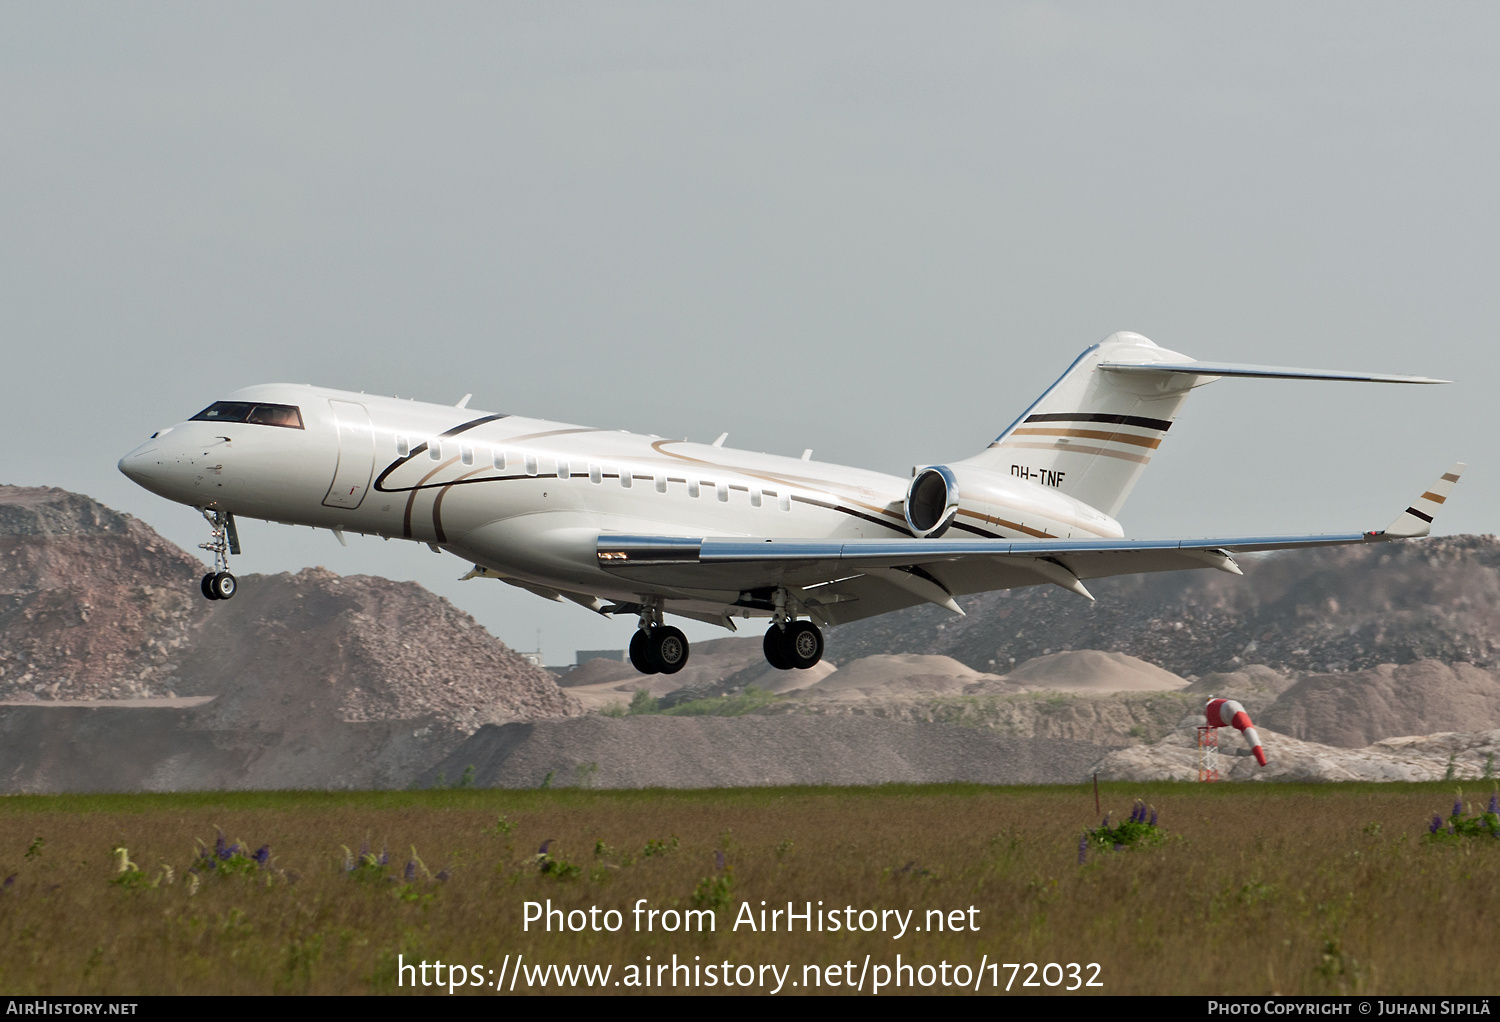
<point x="835" y="576"/>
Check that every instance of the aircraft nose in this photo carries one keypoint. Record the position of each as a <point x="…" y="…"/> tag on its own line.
<point x="143" y="465"/>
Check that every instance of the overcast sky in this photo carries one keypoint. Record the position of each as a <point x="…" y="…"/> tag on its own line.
<point x="875" y="230"/>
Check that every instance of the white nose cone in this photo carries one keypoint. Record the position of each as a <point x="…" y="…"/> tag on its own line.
<point x="143" y="467"/>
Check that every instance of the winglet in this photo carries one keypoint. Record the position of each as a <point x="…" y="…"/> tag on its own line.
<point x="1417" y="519"/>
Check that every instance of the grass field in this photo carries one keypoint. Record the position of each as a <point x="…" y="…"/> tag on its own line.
<point x="1255" y="889"/>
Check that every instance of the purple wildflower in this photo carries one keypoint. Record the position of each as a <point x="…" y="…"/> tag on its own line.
<point x="1107" y="815"/>
<point x="545" y="845"/>
<point x="1495" y="802"/>
<point x="9" y="882"/>
<point x="219" y="846"/>
<point x="442" y="875"/>
<point x="411" y="870"/>
<point x="1458" y="807"/>
<point x="1118" y="847"/>
<point x="262" y="855"/>
<point x="718" y="860"/>
<point x="364" y="849"/>
<point x="1083" y="849"/>
<point x="1153" y="816"/>
<point x="1435" y="825"/>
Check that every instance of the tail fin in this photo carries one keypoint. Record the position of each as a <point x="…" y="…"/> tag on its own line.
<point x="1093" y="432"/>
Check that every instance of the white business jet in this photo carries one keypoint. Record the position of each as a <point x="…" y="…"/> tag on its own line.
<point x="621" y="523"/>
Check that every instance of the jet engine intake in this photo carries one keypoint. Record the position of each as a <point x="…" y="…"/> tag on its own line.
<point x="931" y="501"/>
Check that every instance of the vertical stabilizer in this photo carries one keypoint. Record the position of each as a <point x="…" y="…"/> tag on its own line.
<point x="1093" y="432"/>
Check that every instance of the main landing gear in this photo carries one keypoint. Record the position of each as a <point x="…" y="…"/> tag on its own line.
<point x="795" y="644"/>
<point x="656" y="648"/>
<point x="219" y="584"/>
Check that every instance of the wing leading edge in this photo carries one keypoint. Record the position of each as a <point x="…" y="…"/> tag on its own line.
<point x="928" y="570"/>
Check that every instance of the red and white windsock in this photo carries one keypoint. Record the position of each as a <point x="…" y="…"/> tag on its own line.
<point x="1229" y="713"/>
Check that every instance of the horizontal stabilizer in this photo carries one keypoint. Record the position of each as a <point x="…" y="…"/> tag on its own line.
<point x="1417" y="519"/>
<point x="1261" y="372"/>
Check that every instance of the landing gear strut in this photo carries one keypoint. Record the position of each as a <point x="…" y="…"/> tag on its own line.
<point x="219" y="584"/>
<point x="791" y="643"/>
<point x="656" y="648"/>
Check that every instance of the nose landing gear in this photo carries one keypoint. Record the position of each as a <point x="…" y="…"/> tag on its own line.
<point x="219" y="584"/>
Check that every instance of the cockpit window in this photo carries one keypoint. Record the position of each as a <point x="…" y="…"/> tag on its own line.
<point x="277" y="415"/>
<point x="247" y="411"/>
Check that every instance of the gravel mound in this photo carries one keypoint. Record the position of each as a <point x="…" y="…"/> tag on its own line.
<point x="1455" y="755"/>
<point x="1091" y="670"/>
<point x="94" y="605"/>
<point x="291" y="651"/>
<point x="896" y="676"/>
<point x="1355" y="709"/>
<point x="705" y="752"/>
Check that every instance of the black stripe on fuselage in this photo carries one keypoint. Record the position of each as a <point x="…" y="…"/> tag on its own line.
<point x="460" y="428"/>
<point x="1139" y="421"/>
<point x="849" y="511"/>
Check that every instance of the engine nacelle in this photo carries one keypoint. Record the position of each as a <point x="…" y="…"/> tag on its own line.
<point x="931" y="501"/>
<point x="994" y="502"/>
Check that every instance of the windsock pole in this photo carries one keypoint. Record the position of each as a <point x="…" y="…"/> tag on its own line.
<point x="1229" y="713"/>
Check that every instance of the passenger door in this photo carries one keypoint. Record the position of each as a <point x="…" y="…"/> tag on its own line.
<point x="356" y="455"/>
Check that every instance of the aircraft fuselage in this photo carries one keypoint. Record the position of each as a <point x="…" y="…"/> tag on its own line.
<point x="527" y="499"/>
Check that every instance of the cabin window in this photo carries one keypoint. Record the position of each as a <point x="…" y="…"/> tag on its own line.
<point x="531" y="464"/>
<point x="466" y="454"/>
<point x="755" y="498"/>
<point x="500" y="460"/>
<point x="661" y="484"/>
<point x="435" y="450"/>
<point x="627" y="479"/>
<point x="596" y="473"/>
<point x="722" y="491"/>
<point x="563" y="471"/>
<point x="692" y="488"/>
<point x="786" y="502"/>
<point x="403" y="446"/>
<point x="289" y="416"/>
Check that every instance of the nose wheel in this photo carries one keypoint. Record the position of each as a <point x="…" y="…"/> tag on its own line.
<point x="219" y="584"/>
<point x="798" y="644"/>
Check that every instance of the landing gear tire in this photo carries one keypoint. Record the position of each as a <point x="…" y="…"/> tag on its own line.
<point x="208" y="587"/>
<point x="223" y="586"/>
<point x="772" y="648"/>
<point x="802" y="644"/>
<point x="669" y="648"/>
<point x="640" y="653"/>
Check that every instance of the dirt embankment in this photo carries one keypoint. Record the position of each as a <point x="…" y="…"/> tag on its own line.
<point x="708" y="752"/>
<point x="315" y="679"/>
